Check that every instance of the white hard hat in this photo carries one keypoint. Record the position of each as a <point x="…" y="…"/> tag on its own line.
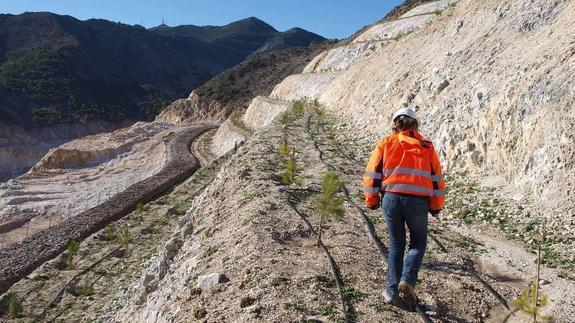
<point x="405" y="112"/>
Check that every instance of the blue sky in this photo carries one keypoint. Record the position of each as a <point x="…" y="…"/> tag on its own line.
<point x="329" y="18"/>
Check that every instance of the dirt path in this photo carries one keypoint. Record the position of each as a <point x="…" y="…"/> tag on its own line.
<point x="504" y="262"/>
<point x="509" y="262"/>
<point x="201" y="147"/>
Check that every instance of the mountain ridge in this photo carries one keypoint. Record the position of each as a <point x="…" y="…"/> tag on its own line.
<point x="46" y="49"/>
<point x="58" y="70"/>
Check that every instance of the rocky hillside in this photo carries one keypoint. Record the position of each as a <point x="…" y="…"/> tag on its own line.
<point x="234" y="88"/>
<point x="484" y="76"/>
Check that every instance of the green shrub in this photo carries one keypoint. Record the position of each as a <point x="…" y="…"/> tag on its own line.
<point x="210" y="251"/>
<point x="14" y="305"/>
<point x="46" y="116"/>
<point x="329" y="205"/>
<point x="84" y="290"/>
<point x="352" y="294"/>
<point x="285" y="148"/>
<point x="125" y="238"/>
<point x="73" y="248"/>
<point x="288" y="177"/>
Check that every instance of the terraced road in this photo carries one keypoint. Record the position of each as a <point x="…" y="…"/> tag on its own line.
<point x="19" y="260"/>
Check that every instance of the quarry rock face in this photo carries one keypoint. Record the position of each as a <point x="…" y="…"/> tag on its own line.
<point x="22" y="148"/>
<point x="262" y="111"/>
<point x="193" y="109"/>
<point x="227" y="138"/>
<point x="84" y="172"/>
<point x="491" y="81"/>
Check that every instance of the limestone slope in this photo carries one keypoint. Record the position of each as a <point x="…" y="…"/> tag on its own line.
<point x="491" y="80"/>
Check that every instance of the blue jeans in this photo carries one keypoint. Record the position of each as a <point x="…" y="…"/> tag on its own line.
<point x="399" y="210"/>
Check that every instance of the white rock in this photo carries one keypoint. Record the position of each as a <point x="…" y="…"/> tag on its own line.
<point x="211" y="280"/>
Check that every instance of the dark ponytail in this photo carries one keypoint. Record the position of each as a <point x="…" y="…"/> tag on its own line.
<point x="403" y="123"/>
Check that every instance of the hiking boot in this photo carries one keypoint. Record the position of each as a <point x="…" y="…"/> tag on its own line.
<point x="387" y="298"/>
<point x="406" y="293"/>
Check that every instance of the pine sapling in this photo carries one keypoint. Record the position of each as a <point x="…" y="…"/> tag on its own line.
<point x="141" y="208"/>
<point x="286" y="118"/>
<point x="125" y="238"/>
<point x="285" y="148"/>
<point x="290" y="172"/>
<point x="319" y="111"/>
<point x="111" y="231"/>
<point x="530" y="301"/>
<point x="329" y="205"/>
<point x="298" y="108"/>
<point x="73" y="248"/>
<point x="14" y="305"/>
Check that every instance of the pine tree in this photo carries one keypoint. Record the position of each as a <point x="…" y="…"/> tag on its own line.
<point x="291" y="169"/>
<point x="529" y="301"/>
<point x="73" y="248"/>
<point x="329" y="205"/>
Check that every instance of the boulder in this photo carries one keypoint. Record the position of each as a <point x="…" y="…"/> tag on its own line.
<point x="211" y="280"/>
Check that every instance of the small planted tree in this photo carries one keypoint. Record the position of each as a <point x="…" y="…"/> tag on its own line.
<point x="329" y="204"/>
<point x="298" y="108"/>
<point x="288" y="177"/>
<point x="286" y="118"/>
<point x="14" y="305"/>
<point x="141" y="208"/>
<point x="111" y="231"/>
<point x="319" y="110"/>
<point x="84" y="290"/>
<point x="125" y="238"/>
<point x="285" y="148"/>
<point x="530" y="301"/>
<point x="73" y="248"/>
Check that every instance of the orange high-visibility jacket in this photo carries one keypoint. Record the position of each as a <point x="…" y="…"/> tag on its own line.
<point x="406" y="163"/>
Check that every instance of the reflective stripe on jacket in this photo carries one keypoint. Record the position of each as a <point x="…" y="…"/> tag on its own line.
<point x="406" y="163"/>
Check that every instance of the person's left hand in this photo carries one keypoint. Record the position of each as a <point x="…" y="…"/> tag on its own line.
<point x="373" y="207"/>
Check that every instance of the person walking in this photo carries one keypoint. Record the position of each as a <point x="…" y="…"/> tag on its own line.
<point x="405" y="170"/>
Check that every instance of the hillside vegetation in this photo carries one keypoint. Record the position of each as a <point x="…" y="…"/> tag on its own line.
<point x="235" y="87"/>
<point x="56" y="69"/>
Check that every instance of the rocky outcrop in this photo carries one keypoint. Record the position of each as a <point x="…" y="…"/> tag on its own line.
<point x="227" y="138"/>
<point x="262" y="111"/>
<point x="93" y="150"/>
<point x="20" y="148"/>
<point x="194" y="109"/>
